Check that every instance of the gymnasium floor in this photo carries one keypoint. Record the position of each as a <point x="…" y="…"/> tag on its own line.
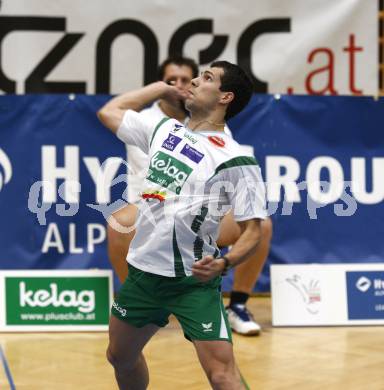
<point x="281" y="359"/>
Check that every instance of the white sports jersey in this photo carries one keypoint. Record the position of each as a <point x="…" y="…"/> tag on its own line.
<point x="138" y="160"/>
<point x="194" y="178"/>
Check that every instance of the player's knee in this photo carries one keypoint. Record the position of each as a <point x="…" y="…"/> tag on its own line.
<point x="267" y="229"/>
<point x="111" y="357"/>
<point x="120" y="362"/>
<point x="221" y="379"/>
<point x="114" y="359"/>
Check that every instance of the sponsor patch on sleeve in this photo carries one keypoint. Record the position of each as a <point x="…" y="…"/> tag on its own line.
<point x="171" y="142"/>
<point x="192" y="153"/>
<point x="217" y="141"/>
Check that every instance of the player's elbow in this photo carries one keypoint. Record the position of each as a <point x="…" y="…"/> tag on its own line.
<point x="109" y="118"/>
<point x="103" y="116"/>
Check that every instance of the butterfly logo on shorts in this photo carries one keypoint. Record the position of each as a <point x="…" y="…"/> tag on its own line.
<point x="207" y="327"/>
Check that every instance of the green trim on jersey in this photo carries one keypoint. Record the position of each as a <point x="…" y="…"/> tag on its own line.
<point x="157" y="128"/>
<point x="178" y="261"/>
<point x="195" y="227"/>
<point x="198" y="248"/>
<point x="199" y="219"/>
<point x="236" y="162"/>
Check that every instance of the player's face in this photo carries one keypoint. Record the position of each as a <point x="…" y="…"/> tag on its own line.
<point x="204" y="93"/>
<point x="179" y="76"/>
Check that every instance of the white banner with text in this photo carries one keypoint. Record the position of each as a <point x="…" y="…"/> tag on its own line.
<point x="322" y="47"/>
<point x="327" y="294"/>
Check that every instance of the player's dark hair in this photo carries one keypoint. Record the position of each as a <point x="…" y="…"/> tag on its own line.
<point x="180" y="61"/>
<point x="237" y="81"/>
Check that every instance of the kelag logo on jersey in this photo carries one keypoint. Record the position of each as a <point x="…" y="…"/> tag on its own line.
<point x="365" y="291"/>
<point x="171" y="142"/>
<point x="168" y="172"/>
<point x="190" y="137"/>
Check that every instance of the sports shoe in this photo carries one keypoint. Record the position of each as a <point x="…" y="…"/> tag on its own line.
<point x="242" y="321"/>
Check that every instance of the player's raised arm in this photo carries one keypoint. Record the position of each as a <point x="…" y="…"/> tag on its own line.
<point x="112" y="113"/>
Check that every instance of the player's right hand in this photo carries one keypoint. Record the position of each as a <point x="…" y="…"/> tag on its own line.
<point x="173" y="93"/>
<point x="207" y="268"/>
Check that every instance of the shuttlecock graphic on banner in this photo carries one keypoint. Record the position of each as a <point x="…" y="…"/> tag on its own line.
<point x="5" y="169"/>
<point x="310" y="292"/>
<point x="363" y="284"/>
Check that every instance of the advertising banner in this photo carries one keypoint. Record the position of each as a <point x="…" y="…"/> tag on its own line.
<point x="62" y="174"/>
<point x="316" y="47"/>
<point x="55" y="300"/>
<point x="327" y="294"/>
<point x="323" y="160"/>
<point x="57" y="164"/>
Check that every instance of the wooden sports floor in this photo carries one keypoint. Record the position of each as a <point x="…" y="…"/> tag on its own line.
<point x="346" y="358"/>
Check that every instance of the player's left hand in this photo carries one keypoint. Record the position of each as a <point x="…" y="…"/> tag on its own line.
<point x="207" y="268"/>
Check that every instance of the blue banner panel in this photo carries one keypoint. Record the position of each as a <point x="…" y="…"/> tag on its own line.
<point x="322" y="156"/>
<point x="365" y="295"/>
<point x="301" y="140"/>
<point x="56" y="138"/>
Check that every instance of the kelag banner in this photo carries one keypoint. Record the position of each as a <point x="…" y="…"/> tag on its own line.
<point x="293" y="46"/>
<point x="62" y="173"/>
<point x="55" y="300"/>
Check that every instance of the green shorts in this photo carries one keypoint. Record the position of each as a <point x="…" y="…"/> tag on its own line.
<point x="146" y="298"/>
